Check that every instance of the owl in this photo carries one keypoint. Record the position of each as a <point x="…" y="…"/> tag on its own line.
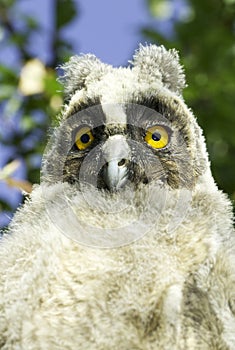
<point x="127" y="243"/>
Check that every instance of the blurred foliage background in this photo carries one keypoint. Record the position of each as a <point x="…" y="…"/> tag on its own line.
<point x="30" y="97"/>
<point x="205" y="38"/>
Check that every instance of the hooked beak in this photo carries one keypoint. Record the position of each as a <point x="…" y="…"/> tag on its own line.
<point x="116" y="153"/>
<point x="116" y="173"/>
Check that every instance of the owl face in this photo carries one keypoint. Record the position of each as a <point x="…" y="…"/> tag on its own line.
<point x="126" y="126"/>
<point x="143" y="146"/>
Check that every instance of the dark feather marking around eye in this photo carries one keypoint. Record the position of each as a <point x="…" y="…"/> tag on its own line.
<point x="152" y="102"/>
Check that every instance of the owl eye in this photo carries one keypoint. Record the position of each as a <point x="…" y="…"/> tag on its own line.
<point x="157" y="137"/>
<point x="83" y="138"/>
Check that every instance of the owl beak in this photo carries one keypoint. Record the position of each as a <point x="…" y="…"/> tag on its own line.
<point x="115" y="174"/>
<point x="116" y="155"/>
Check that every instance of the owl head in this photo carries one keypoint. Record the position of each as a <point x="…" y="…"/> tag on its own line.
<point x="126" y="125"/>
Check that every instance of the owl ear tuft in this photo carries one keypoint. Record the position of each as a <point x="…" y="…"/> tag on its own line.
<point x="78" y="70"/>
<point x="155" y="62"/>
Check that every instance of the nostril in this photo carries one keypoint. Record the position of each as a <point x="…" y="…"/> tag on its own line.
<point x="122" y="162"/>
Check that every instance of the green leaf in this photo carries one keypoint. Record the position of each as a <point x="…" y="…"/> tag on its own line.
<point x="66" y="11"/>
<point x="52" y="86"/>
<point x="6" y="91"/>
<point x="154" y="36"/>
<point x="160" y="8"/>
<point x="6" y="3"/>
<point x="5" y="206"/>
<point x="8" y="75"/>
<point x="31" y="23"/>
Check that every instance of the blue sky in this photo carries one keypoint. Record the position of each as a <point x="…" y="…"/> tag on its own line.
<point x="108" y="29"/>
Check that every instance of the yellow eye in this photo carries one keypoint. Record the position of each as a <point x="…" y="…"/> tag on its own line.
<point x="157" y="137"/>
<point x="84" y="138"/>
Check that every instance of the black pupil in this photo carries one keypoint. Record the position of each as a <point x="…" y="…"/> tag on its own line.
<point x="85" y="138"/>
<point x="156" y="136"/>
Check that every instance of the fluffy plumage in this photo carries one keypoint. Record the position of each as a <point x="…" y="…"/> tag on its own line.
<point x="168" y="284"/>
